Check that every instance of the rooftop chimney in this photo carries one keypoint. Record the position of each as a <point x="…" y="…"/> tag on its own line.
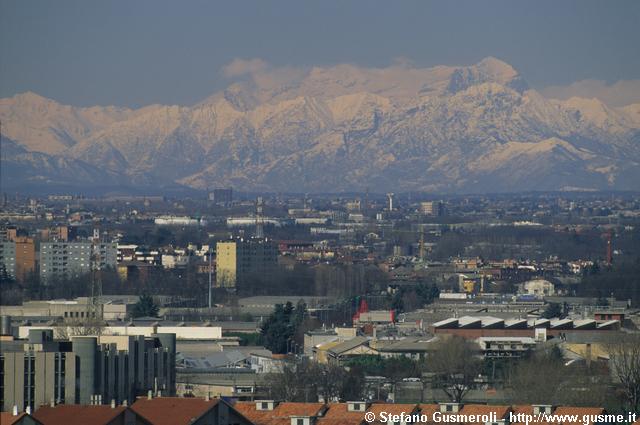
<point x="149" y="395"/>
<point x="15" y="410"/>
<point x="265" y="404"/>
<point x="113" y="404"/>
<point x="449" y="407"/>
<point x="28" y="410"/>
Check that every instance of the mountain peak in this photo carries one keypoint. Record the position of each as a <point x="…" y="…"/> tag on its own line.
<point x="32" y="98"/>
<point x="496" y="67"/>
<point x="488" y="70"/>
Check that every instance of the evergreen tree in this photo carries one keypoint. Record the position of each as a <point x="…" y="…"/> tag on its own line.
<point x="145" y="307"/>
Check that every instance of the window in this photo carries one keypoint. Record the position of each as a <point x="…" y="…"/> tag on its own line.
<point x="264" y="406"/>
<point x="2" y="384"/>
<point x="29" y="380"/>
<point x="300" y="421"/>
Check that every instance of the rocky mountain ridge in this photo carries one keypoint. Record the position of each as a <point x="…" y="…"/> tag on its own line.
<point x="477" y="128"/>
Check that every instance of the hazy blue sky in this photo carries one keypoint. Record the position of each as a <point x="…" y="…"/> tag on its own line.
<point x="140" y="52"/>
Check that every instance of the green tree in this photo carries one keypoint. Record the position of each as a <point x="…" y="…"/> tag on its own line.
<point x="279" y="330"/>
<point x="427" y="294"/>
<point x="145" y="307"/>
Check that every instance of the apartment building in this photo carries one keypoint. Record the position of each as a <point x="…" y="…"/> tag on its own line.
<point x="239" y="259"/>
<point x="72" y="259"/>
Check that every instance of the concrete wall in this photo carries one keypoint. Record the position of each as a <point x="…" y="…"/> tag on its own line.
<point x="182" y="332"/>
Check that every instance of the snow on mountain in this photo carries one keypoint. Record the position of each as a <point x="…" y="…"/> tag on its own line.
<point x="473" y="128"/>
<point x="44" y="125"/>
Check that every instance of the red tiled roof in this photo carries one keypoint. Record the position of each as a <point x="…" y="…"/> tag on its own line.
<point x="337" y="414"/>
<point x="72" y="414"/>
<point x="392" y="409"/>
<point x="249" y="411"/>
<point x="580" y="411"/>
<point x="299" y="409"/>
<point x="7" y="418"/>
<point x="172" y="410"/>
<point x="525" y="409"/>
<point x="428" y="409"/>
<point x="481" y="409"/>
<point x="280" y="415"/>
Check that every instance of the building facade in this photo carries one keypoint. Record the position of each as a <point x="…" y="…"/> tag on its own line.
<point x="240" y="259"/>
<point x="72" y="259"/>
<point x="85" y="369"/>
<point x="8" y="258"/>
<point x="25" y="258"/>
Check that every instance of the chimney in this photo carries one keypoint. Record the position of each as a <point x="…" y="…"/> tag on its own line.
<point x="113" y="404"/>
<point x="449" y="407"/>
<point x="149" y="395"/>
<point x="125" y="403"/>
<point x="52" y="403"/>
<point x="542" y="408"/>
<point x="28" y="410"/>
<point x="357" y="406"/>
<point x="207" y="397"/>
<point x="265" y="404"/>
<point x="15" y="410"/>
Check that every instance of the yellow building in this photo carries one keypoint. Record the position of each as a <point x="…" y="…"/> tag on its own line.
<point x="240" y="259"/>
<point x="226" y="264"/>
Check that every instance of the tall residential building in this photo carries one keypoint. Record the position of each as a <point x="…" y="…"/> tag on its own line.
<point x="85" y="369"/>
<point x="60" y="233"/>
<point x="8" y="233"/>
<point x="8" y="258"/>
<point x="432" y="208"/>
<point x="72" y="259"/>
<point x="240" y="259"/>
<point x="25" y="258"/>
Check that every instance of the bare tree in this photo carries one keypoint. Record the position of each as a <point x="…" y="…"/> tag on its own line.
<point x="90" y="326"/>
<point x="456" y="365"/>
<point x="624" y="360"/>
<point x="308" y="381"/>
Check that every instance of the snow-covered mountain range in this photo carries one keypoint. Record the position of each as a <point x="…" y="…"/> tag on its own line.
<point x="477" y="128"/>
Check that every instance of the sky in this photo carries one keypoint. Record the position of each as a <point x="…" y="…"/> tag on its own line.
<point x="135" y="53"/>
